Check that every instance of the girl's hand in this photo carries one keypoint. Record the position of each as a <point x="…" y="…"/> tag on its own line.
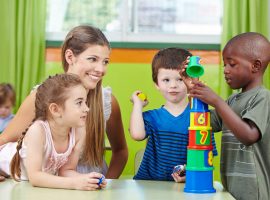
<point x="103" y="182"/>
<point x="136" y="100"/>
<point x="89" y="182"/>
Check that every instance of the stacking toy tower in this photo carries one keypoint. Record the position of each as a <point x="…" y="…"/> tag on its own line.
<point x="199" y="169"/>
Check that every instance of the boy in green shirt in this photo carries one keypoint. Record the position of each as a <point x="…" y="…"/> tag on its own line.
<point x="244" y="118"/>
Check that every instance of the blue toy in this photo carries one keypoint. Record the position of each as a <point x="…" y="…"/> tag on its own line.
<point x="101" y="180"/>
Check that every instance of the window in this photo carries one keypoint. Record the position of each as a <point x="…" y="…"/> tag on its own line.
<point x="160" y="21"/>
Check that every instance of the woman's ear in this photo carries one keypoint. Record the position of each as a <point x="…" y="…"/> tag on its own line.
<point x="69" y="56"/>
<point x="55" y="110"/>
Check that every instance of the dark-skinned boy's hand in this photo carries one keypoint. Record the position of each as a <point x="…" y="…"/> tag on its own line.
<point x="204" y="93"/>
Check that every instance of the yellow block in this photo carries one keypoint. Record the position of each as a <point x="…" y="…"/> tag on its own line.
<point x="142" y="96"/>
<point x="199" y="119"/>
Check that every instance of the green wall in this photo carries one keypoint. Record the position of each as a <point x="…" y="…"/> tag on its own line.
<point x="126" y="78"/>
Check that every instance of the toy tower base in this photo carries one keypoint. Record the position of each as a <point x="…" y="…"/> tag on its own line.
<point x="199" y="182"/>
<point x="199" y="169"/>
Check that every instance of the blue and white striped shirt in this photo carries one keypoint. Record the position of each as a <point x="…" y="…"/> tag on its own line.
<point x="167" y="144"/>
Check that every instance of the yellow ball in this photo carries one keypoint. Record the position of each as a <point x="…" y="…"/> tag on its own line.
<point x="142" y="96"/>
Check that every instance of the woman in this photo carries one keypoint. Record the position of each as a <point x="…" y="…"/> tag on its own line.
<point x="86" y="52"/>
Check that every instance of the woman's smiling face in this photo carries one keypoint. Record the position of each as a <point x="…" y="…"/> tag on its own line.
<point x="91" y="65"/>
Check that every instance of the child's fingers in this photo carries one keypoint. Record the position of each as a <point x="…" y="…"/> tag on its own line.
<point x="103" y="184"/>
<point x="92" y="187"/>
<point x="185" y="63"/>
<point x="145" y="103"/>
<point x="95" y="175"/>
<point x="137" y="95"/>
<point x="173" y="175"/>
<point x="2" y="178"/>
<point x="178" y="179"/>
<point x="91" y="181"/>
<point x="182" y="72"/>
<point x="182" y="179"/>
<point x="96" y="184"/>
<point x="187" y="60"/>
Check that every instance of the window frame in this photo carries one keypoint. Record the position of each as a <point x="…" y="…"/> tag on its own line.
<point x="126" y="39"/>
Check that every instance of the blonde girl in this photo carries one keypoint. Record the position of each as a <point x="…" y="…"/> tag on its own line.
<point x="54" y="139"/>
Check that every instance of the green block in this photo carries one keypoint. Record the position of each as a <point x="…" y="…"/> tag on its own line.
<point x="199" y="160"/>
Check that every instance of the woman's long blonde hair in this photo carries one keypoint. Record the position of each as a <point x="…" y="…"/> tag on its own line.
<point x="78" y="40"/>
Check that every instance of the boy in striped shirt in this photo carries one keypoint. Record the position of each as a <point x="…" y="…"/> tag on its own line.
<point x="166" y="128"/>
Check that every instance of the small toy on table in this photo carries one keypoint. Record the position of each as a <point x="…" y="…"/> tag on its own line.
<point x="180" y="170"/>
<point x="101" y="180"/>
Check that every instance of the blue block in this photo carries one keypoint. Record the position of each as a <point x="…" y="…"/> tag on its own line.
<point x="199" y="182"/>
<point x="198" y="106"/>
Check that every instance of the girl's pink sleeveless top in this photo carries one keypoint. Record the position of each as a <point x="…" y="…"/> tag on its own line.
<point x="52" y="160"/>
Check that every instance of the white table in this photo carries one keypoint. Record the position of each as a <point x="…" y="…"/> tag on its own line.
<point x="125" y="189"/>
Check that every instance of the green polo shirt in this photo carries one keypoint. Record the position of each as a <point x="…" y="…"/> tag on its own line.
<point x="245" y="170"/>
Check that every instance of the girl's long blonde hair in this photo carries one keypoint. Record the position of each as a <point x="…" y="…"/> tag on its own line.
<point x="52" y="90"/>
<point x="78" y="40"/>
